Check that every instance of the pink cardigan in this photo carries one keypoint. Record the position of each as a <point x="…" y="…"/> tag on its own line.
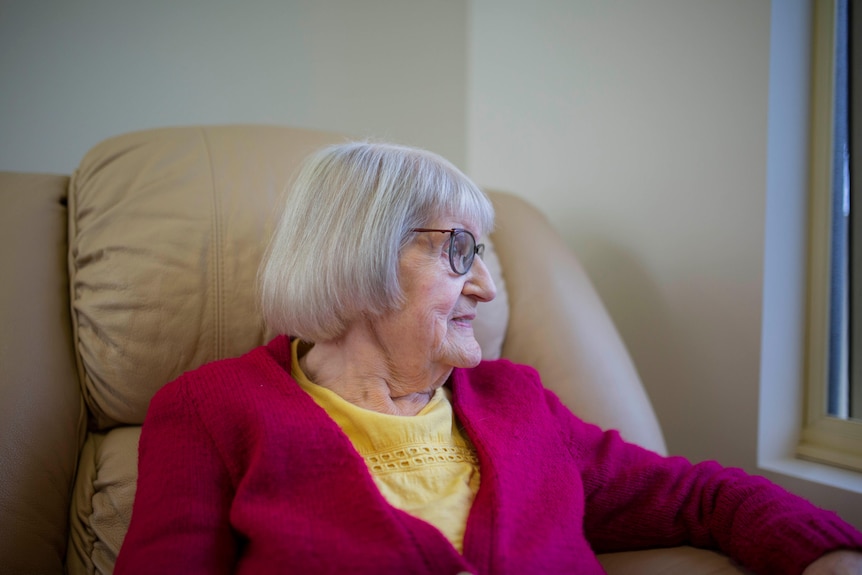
<point x="240" y="471"/>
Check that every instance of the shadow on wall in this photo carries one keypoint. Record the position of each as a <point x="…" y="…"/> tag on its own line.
<point x="644" y="317"/>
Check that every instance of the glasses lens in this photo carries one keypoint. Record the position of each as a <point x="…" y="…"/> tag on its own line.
<point x="462" y="251"/>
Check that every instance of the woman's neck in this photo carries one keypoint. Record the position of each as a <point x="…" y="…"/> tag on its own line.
<point x="360" y="372"/>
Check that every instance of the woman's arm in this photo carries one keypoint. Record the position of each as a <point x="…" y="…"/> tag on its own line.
<point x="180" y="517"/>
<point x="638" y="499"/>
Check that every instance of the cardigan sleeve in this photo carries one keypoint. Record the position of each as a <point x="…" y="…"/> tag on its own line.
<point x="180" y="518"/>
<point x="635" y="498"/>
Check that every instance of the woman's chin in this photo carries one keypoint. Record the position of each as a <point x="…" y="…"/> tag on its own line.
<point x="466" y="354"/>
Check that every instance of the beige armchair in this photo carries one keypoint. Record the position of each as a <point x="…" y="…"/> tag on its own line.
<point x="141" y="265"/>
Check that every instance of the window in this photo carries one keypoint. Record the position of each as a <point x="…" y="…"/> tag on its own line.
<point x="854" y="139"/>
<point x="833" y="425"/>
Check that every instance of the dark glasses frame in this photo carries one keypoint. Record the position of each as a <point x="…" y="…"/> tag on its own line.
<point x="478" y="249"/>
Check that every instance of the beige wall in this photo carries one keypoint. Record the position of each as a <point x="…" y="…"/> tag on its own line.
<point x="640" y="129"/>
<point x="73" y="73"/>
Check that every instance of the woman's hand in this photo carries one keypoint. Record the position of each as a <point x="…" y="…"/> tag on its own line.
<point x="837" y="563"/>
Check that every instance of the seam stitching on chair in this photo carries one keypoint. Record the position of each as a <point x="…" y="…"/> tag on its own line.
<point x="91" y="511"/>
<point x="72" y="191"/>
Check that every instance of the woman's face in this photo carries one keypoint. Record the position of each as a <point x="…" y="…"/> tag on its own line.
<point x="433" y="329"/>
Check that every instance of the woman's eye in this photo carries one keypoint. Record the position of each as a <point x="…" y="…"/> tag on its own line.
<point x="446" y="245"/>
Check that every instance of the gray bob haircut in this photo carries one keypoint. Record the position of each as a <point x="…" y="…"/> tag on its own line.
<point x="334" y="255"/>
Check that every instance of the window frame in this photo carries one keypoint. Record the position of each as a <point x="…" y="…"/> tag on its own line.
<point x="824" y="438"/>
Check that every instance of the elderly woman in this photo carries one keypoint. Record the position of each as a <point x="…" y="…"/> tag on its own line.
<point x="374" y="439"/>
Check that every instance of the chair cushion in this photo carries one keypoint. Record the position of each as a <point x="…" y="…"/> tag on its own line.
<point x="102" y="499"/>
<point x="671" y="560"/>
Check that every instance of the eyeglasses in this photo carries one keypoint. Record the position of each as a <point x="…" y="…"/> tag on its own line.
<point x="462" y="248"/>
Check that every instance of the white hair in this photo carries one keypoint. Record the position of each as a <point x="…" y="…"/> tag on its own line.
<point x="334" y="254"/>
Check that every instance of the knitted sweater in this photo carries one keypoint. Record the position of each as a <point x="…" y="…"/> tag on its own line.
<point x="242" y="472"/>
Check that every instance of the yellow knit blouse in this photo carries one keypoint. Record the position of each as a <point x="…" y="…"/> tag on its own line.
<point x="424" y="464"/>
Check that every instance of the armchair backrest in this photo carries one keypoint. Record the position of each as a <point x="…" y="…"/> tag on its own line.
<point x="165" y="231"/>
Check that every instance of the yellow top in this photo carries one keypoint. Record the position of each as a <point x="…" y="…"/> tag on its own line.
<point x="423" y="464"/>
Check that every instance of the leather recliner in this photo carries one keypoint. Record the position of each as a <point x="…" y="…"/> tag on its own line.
<point x="141" y="265"/>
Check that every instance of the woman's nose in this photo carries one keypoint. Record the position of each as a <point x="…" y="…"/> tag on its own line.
<point x="479" y="284"/>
